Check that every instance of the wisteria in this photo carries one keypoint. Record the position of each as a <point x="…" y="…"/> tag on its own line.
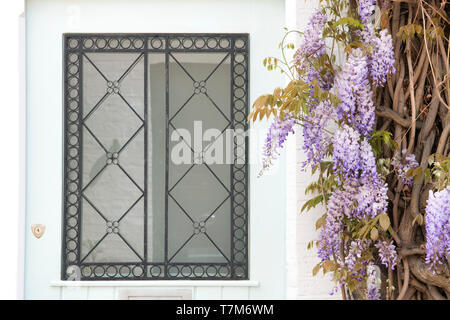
<point x="334" y="102"/>
<point x="369" y="174"/>
<point x="403" y="164"/>
<point x="312" y="45"/>
<point x="354" y="201"/>
<point x="276" y="136"/>
<point x="340" y="205"/>
<point x="364" y="119"/>
<point x="361" y="192"/>
<point x="353" y="158"/>
<point x="316" y="140"/>
<point x="382" y="58"/>
<point x="346" y="152"/>
<point x="348" y="83"/>
<point x="387" y="253"/>
<point x="373" y="288"/>
<point x="333" y="98"/>
<point x="372" y="199"/>
<point x="366" y="9"/>
<point x="355" y="254"/>
<point x="437" y="225"/>
<point x="353" y="88"/>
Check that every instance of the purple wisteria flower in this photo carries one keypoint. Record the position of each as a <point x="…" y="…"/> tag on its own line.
<point x="382" y="59"/>
<point x="403" y="164"/>
<point x="276" y="136"/>
<point x="354" y="91"/>
<point x="353" y="158"/>
<point x="316" y="140"/>
<point x="346" y="153"/>
<point x="340" y="205"/>
<point x="437" y="226"/>
<point x="343" y="203"/>
<point x="366" y="9"/>
<point x="326" y="246"/>
<point x="324" y="80"/>
<point x="312" y="45"/>
<point x="345" y="83"/>
<point x="372" y="199"/>
<point x="369" y="172"/>
<point x="364" y="119"/>
<point x="354" y="255"/>
<point x="373" y="288"/>
<point x="387" y="253"/>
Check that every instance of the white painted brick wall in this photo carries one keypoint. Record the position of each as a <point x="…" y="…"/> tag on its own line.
<point x="300" y="228"/>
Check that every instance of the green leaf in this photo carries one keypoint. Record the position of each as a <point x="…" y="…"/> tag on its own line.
<point x="349" y="21"/>
<point x="414" y="172"/>
<point x="321" y="222"/>
<point x="354" y="45"/>
<point x="384" y="221"/>
<point x="417" y="178"/>
<point x="316" y="268"/>
<point x="427" y="175"/>
<point x="374" y="234"/>
<point x="312" y="203"/>
<point x="329" y="266"/>
<point x="312" y="187"/>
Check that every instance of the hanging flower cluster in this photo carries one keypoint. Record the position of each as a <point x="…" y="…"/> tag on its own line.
<point x="437" y="225"/>
<point x="366" y="9"/>
<point x="353" y="89"/>
<point x="403" y="164"/>
<point x="312" y="45"/>
<point x="382" y="58"/>
<point x="276" y="136"/>
<point x="387" y="253"/>
<point x="373" y="291"/>
<point x="316" y="141"/>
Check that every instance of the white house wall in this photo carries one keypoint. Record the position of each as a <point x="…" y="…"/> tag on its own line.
<point x="12" y="164"/>
<point x="300" y="227"/>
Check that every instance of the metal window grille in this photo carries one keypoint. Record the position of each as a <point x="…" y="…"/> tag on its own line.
<point x="86" y="146"/>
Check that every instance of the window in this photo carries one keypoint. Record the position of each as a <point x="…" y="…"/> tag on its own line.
<point x="155" y="156"/>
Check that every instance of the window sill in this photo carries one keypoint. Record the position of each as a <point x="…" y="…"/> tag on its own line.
<point x="157" y="283"/>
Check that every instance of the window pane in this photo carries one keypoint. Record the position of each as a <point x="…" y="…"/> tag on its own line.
<point x="156" y="154"/>
<point x="199" y="200"/>
<point x="113" y="158"/>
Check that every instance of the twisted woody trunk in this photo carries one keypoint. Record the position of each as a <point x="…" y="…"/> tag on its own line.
<point x="414" y="107"/>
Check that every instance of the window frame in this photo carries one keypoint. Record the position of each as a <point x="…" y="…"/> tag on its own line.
<point x="75" y="46"/>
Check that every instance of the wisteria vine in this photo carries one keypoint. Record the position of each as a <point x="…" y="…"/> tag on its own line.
<point x="332" y="100"/>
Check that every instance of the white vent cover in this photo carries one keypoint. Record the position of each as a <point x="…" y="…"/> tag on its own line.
<point x="154" y="294"/>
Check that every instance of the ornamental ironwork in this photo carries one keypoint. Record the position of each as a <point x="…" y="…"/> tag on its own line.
<point x="129" y="213"/>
